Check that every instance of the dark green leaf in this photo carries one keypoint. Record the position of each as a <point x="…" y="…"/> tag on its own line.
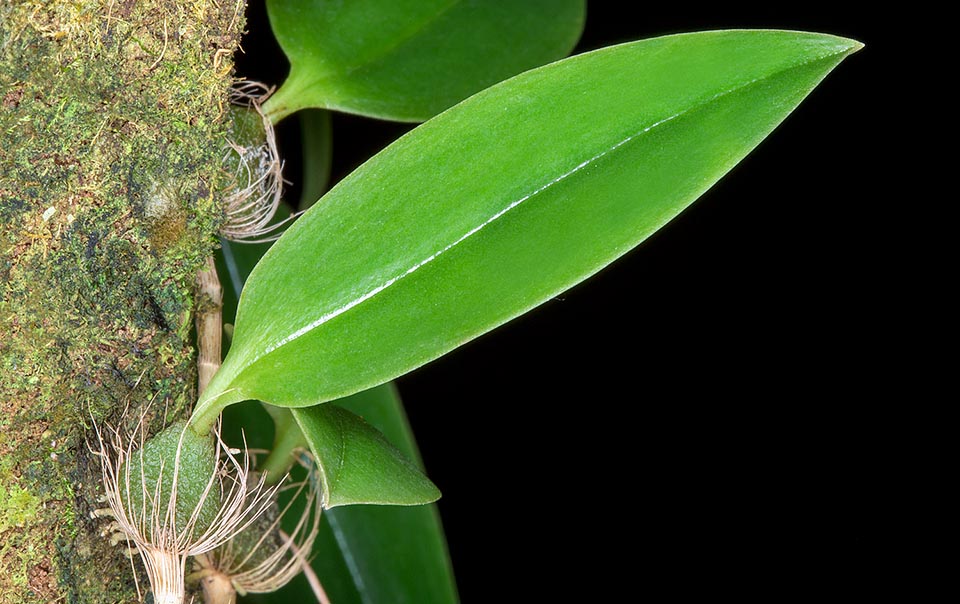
<point x="408" y="60"/>
<point x="395" y="554"/>
<point x="357" y="464"/>
<point x="368" y="554"/>
<point x="503" y="202"/>
<point x="316" y="134"/>
<point x="364" y="554"/>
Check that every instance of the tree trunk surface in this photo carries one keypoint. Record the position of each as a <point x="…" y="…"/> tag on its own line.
<point x="112" y="131"/>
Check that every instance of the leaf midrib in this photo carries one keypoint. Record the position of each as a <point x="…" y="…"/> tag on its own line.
<point x="309" y="327"/>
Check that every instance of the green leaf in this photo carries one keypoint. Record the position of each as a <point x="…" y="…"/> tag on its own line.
<point x="357" y="464"/>
<point x="394" y="554"/>
<point x="235" y="262"/>
<point x="364" y="554"/>
<point x="503" y="202"/>
<point x="316" y="133"/>
<point x="377" y="554"/>
<point x="408" y="60"/>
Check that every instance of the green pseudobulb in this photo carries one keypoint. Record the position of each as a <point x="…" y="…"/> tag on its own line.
<point x="156" y="464"/>
<point x="252" y="546"/>
<point x="247" y="135"/>
<point x="246" y="126"/>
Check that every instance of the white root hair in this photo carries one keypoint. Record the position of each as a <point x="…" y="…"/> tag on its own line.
<point x="162" y="543"/>
<point x="254" y="195"/>
<point x="247" y="572"/>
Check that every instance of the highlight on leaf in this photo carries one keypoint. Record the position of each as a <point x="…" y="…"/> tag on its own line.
<point x="423" y="250"/>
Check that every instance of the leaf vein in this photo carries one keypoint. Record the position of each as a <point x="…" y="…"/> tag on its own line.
<point x="514" y="204"/>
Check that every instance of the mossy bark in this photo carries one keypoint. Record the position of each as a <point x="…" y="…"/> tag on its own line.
<point x="111" y="137"/>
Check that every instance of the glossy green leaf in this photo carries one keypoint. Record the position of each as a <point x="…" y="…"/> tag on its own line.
<point x="357" y="464"/>
<point x="408" y="60"/>
<point x="503" y="202"/>
<point x="364" y="554"/>
<point x="235" y="261"/>
<point x="379" y="554"/>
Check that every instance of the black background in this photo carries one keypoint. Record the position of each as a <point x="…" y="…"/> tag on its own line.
<point x="717" y="412"/>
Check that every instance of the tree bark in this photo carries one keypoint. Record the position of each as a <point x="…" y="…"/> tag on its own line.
<point x="111" y="137"/>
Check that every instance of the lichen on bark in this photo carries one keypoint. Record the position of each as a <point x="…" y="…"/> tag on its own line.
<point x="111" y="137"/>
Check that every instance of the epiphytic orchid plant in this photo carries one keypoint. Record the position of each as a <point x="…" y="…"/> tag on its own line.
<point x="526" y="177"/>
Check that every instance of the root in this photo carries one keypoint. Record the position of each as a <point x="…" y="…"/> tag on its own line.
<point x="163" y="541"/>
<point x="246" y="566"/>
<point x="254" y="196"/>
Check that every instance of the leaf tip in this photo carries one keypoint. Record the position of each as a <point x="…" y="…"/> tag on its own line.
<point x="435" y="495"/>
<point x="846" y="46"/>
<point x="852" y="45"/>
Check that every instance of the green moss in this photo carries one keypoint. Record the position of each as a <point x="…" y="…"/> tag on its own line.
<point x="100" y="104"/>
<point x="19" y="509"/>
<point x="18" y="506"/>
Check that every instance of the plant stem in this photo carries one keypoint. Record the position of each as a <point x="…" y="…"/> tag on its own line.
<point x="209" y="324"/>
<point x="282" y="102"/>
<point x="208" y="409"/>
<point x="316" y="134"/>
<point x="217" y="589"/>
<point x="287" y="440"/>
<point x="288" y="437"/>
<point x="318" y="592"/>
